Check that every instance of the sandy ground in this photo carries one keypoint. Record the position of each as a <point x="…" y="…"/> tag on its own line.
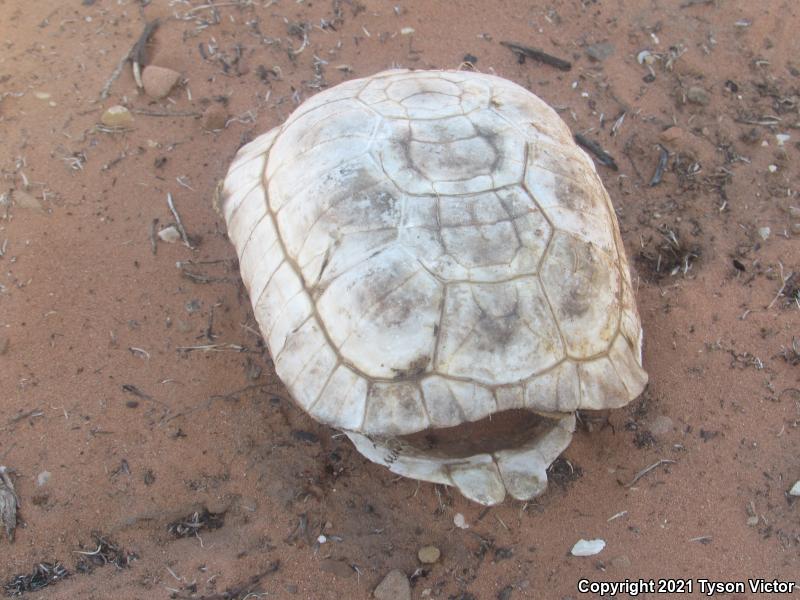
<point x="137" y="432"/>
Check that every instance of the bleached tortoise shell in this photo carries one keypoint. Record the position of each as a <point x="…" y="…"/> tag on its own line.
<point x="425" y="249"/>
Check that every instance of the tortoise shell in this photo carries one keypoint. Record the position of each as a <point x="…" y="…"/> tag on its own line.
<point x="425" y="249"/>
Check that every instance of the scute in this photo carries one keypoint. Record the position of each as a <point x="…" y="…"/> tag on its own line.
<point x="427" y="249"/>
<point x="497" y="333"/>
<point x="583" y="288"/>
<point x="381" y="315"/>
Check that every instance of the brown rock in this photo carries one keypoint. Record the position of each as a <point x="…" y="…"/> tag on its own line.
<point x="159" y="81"/>
<point x="680" y="140"/>
<point x="214" y="118"/>
<point x="338" y="568"/>
<point x="394" y="586"/>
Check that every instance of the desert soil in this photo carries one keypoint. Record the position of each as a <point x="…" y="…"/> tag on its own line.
<point x="136" y="389"/>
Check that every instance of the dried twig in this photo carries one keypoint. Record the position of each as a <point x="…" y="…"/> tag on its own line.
<point x="663" y="159"/>
<point x="135" y="55"/>
<point x="178" y="222"/>
<point x="36" y="412"/>
<point x="212" y="348"/>
<point x="595" y="148"/>
<point x="164" y="113"/>
<point x="153" y="233"/>
<point x="44" y="574"/>
<point x="646" y="470"/>
<point x="539" y="55"/>
<point x="138" y="53"/>
<point x="9" y="503"/>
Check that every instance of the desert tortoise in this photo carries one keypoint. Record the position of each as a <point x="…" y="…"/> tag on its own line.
<point x="429" y="249"/>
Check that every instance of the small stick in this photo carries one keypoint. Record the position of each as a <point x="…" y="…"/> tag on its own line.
<point x="136" y="55"/>
<point x="114" y="76"/>
<point x="36" y="412"/>
<point x="153" y="240"/>
<point x="178" y="222"/>
<point x="9" y="503"/>
<point x="604" y="157"/>
<point x="617" y="124"/>
<point x="164" y="113"/>
<point x="646" y="470"/>
<point x="212" y="348"/>
<point x="139" y="51"/>
<point x="202" y="278"/>
<point x="783" y="287"/>
<point x="538" y="55"/>
<point x="663" y="159"/>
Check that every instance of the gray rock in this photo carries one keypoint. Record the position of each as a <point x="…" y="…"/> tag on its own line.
<point x="169" y="234"/>
<point x="661" y="424"/>
<point x="698" y="95"/>
<point x="394" y="586"/>
<point x="588" y="547"/>
<point x="600" y="51"/>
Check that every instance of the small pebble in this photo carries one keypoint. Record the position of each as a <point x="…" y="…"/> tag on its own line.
<point x="159" y="81"/>
<point x="601" y="51"/>
<point x="214" y="118"/>
<point x="782" y="138"/>
<point x="338" y="568"/>
<point x="645" y="57"/>
<point x="621" y="562"/>
<point x="322" y="539"/>
<point x="460" y="522"/>
<point x="406" y="31"/>
<point x="23" y="199"/>
<point x="117" y="116"/>
<point x="763" y="233"/>
<point x="752" y="521"/>
<point x="587" y="547"/>
<point x="394" y="586"/>
<point x="795" y="491"/>
<point x="42" y="95"/>
<point x="661" y="424"/>
<point x="698" y="95"/>
<point x="795" y="227"/>
<point x="794" y="212"/>
<point x="429" y="555"/>
<point x="772" y="168"/>
<point x="42" y="478"/>
<point x="170" y="234"/>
